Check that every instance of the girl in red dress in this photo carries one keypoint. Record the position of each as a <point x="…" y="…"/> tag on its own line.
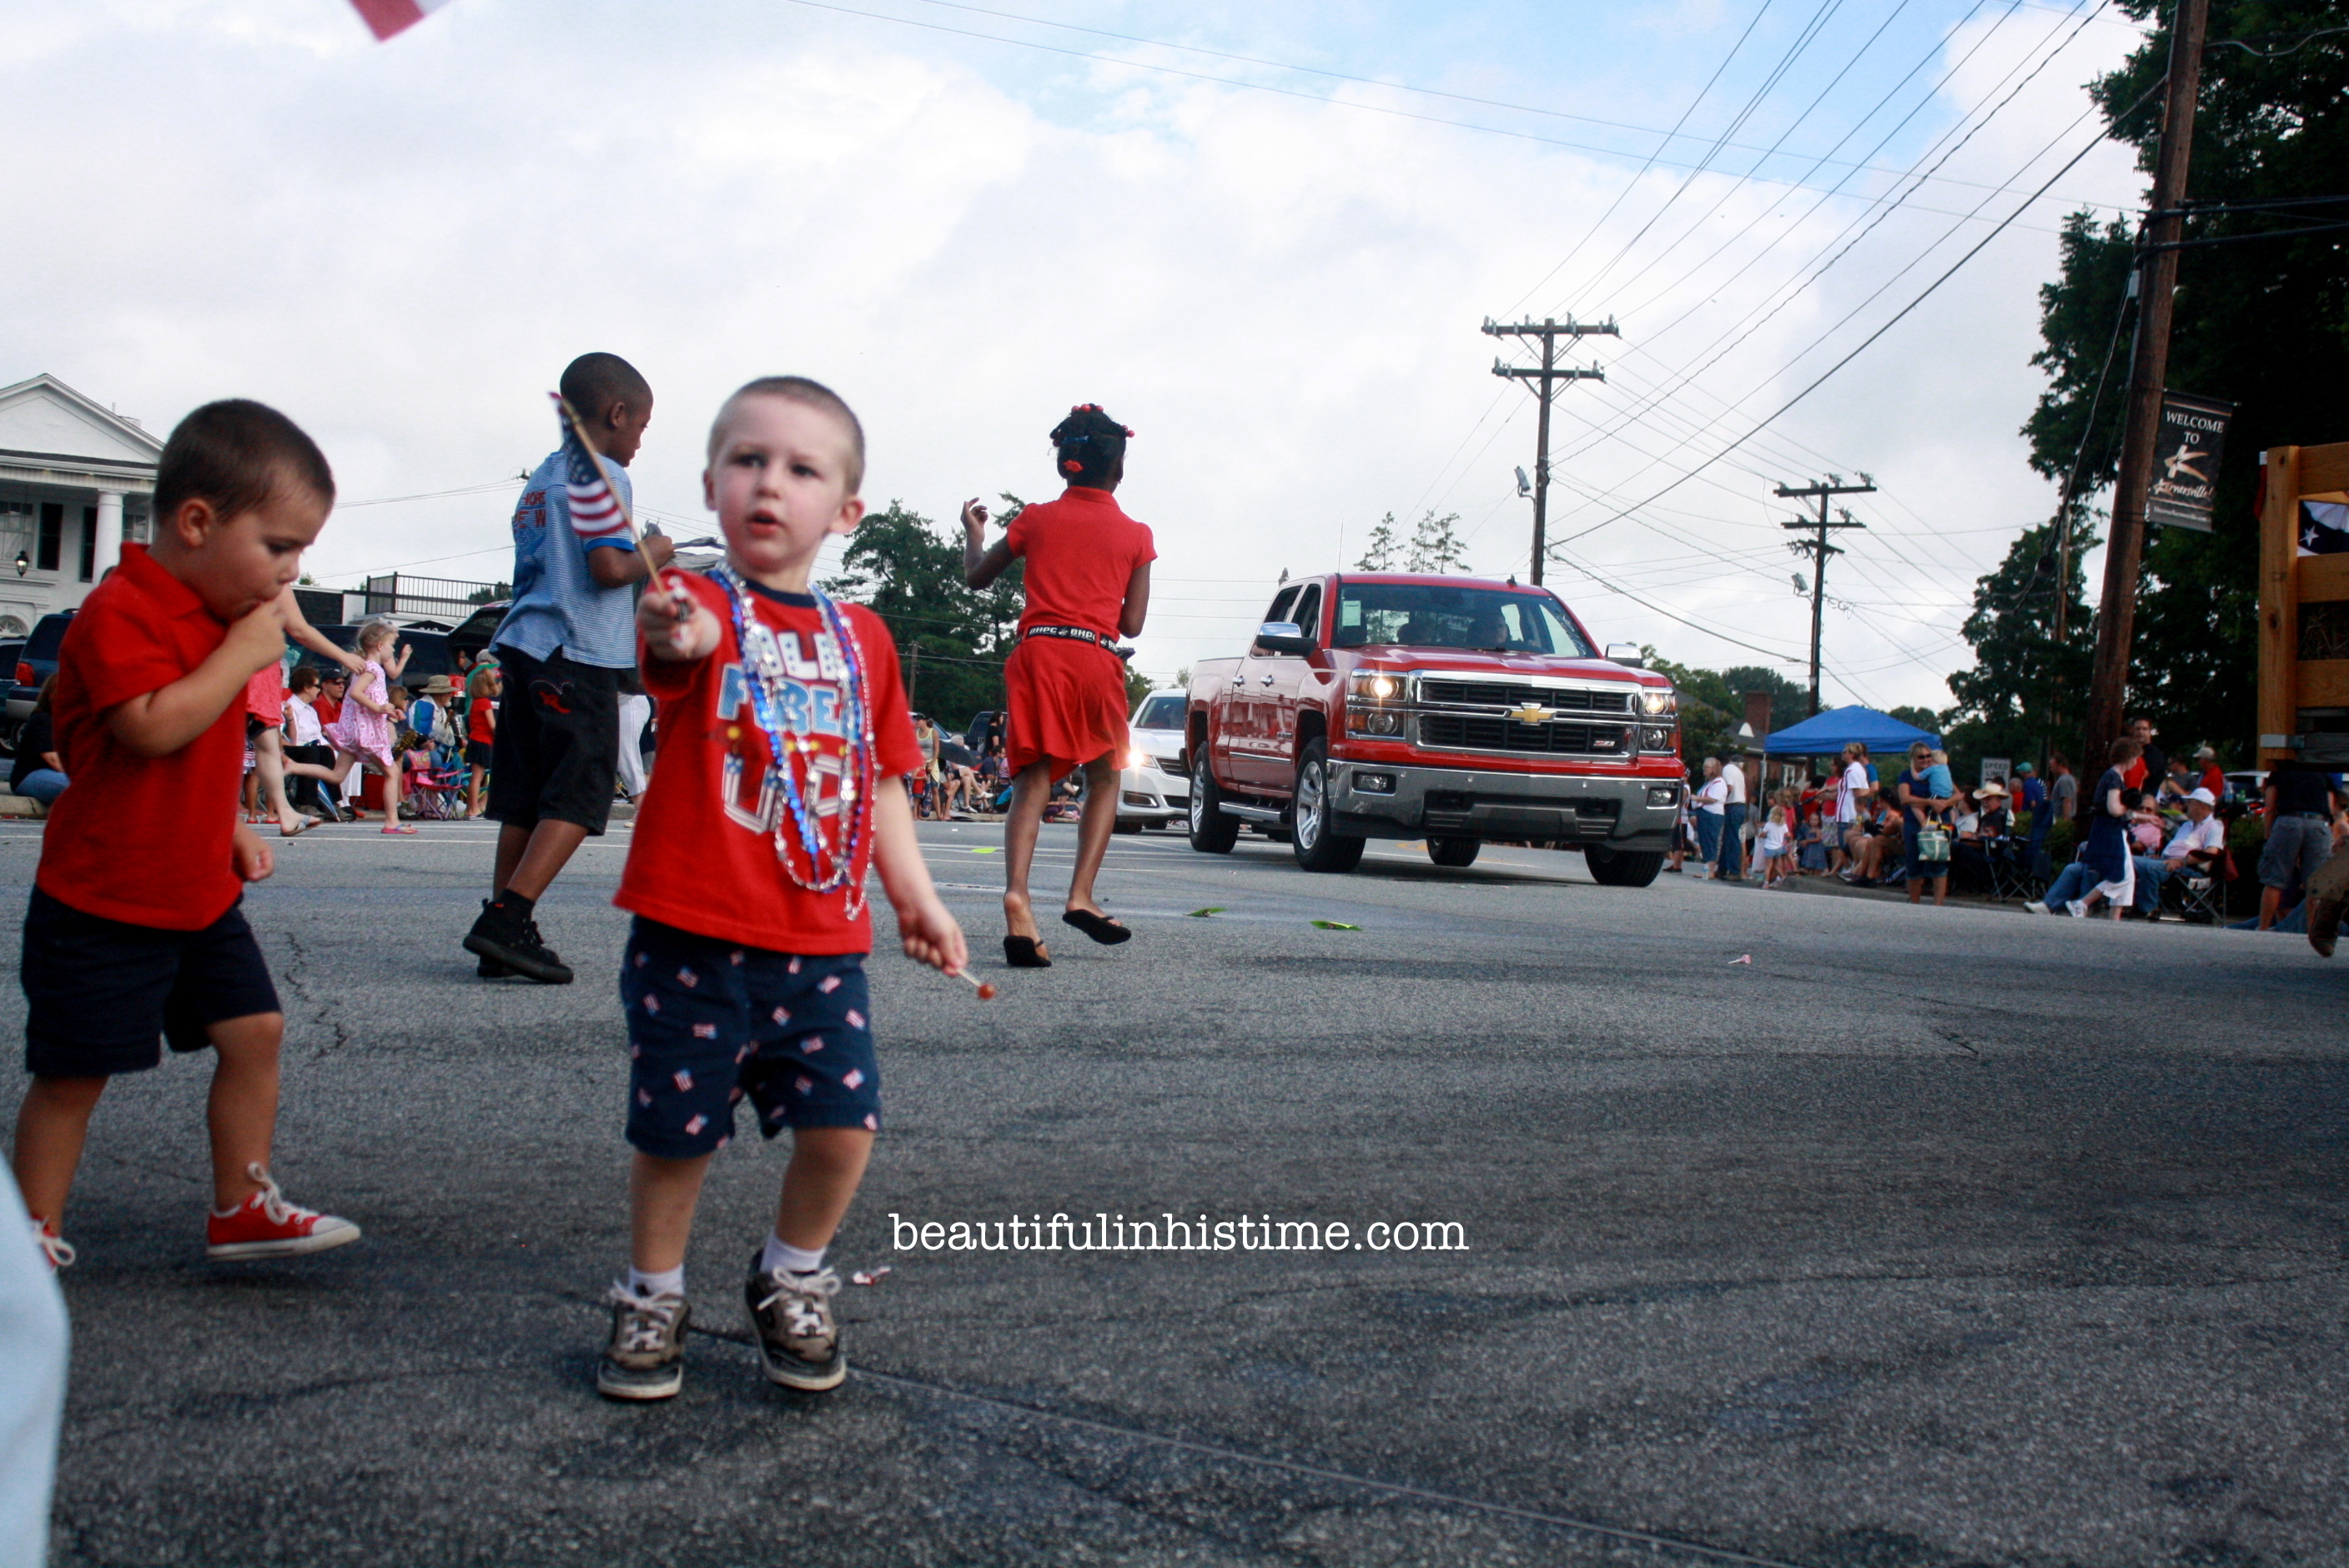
<point x="1087" y="581"/>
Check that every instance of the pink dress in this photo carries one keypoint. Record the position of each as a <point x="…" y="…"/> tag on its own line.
<point x="360" y="728"/>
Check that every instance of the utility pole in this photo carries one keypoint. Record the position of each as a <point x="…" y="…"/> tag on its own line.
<point x="2148" y="368"/>
<point x="1818" y="550"/>
<point x="1546" y="380"/>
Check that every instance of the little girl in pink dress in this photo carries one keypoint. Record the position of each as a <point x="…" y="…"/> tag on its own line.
<point x="364" y="732"/>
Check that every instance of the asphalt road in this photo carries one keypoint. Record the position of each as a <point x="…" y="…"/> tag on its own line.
<point x="1926" y="1237"/>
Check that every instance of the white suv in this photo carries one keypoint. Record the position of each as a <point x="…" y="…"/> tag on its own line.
<point x="1153" y="788"/>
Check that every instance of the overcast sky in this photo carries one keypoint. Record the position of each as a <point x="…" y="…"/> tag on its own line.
<point x="1263" y="236"/>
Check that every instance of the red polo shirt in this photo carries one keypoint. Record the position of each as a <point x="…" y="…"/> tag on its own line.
<point x="143" y="840"/>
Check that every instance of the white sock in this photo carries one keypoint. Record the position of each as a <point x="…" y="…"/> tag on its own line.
<point x="668" y="1282"/>
<point x="782" y="1254"/>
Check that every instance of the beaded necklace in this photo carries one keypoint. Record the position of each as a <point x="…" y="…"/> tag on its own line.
<point x="828" y="870"/>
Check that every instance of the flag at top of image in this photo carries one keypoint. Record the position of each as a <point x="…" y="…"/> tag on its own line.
<point x="595" y="511"/>
<point x="386" y="19"/>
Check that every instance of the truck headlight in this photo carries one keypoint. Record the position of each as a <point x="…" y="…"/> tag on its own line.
<point x="1370" y="685"/>
<point x="1656" y="737"/>
<point x="1373" y="721"/>
<point x="1655" y="701"/>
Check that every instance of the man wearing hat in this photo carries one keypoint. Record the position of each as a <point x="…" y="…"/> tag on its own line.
<point x="2196" y="845"/>
<point x="1995" y="808"/>
<point x="425" y="715"/>
<point x="2030" y="794"/>
<point x="2206" y="763"/>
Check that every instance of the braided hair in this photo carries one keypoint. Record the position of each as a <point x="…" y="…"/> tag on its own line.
<point x="1091" y="446"/>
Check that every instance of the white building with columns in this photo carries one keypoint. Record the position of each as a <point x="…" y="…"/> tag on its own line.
<point x="76" y="481"/>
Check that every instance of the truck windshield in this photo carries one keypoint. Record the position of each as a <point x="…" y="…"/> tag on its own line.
<point x="1436" y="615"/>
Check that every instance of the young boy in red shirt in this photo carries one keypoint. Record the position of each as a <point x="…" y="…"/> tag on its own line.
<point x="134" y="931"/>
<point x="783" y="738"/>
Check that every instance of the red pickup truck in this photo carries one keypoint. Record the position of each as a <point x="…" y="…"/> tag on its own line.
<point x="1386" y="705"/>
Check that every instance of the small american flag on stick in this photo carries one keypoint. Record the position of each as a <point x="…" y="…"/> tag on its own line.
<point x="595" y="510"/>
<point x="387" y="18"/>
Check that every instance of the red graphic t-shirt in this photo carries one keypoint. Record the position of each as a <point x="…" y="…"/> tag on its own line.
<point x="143" y="840"/>
<point x="1080" y="551"/>
<point x="704" y="856"/>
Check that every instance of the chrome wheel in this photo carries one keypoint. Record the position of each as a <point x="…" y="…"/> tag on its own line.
<point x="1312" y="802"/>
<point x="1197" y="810"/>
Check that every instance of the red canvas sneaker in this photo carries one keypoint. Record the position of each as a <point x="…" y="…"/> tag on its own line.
<point x="266" y="1226"/>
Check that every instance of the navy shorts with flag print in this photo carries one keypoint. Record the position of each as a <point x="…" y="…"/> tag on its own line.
<point x="713" y="1023"/>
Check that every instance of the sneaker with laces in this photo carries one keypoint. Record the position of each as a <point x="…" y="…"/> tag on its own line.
<point x="507" y="937"/>
<point x="2035" y="907"/>
<point x="799" y="1343"/>
<point x="645" y="1359"/>
<point x="266" y="1226"/>
<point x="2078" y="909"/>
<point x="55" y="1249"/>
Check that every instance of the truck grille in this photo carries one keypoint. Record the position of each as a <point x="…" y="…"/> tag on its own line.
<point x="1465" y="732"/>
<point x="1507" y="694"/>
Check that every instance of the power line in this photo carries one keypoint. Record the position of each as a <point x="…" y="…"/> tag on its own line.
<point x="1861" y="347"/>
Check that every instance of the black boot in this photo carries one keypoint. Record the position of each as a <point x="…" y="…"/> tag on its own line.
<point x="507" y="935"/>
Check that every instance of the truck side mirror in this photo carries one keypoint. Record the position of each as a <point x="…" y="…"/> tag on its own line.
<point x="1627" y="655"/>
<point x="1283" y="637"/>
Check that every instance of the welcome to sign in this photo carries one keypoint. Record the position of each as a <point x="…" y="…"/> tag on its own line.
<point x="2186" y="453"/>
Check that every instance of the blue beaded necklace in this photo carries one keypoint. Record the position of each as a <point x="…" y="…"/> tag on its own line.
<point x="828" y="871"/>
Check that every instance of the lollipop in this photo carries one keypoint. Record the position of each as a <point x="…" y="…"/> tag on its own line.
<point x="986" y="991"/>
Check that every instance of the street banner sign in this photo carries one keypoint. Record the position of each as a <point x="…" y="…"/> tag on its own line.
<point x="2186" y="460"/>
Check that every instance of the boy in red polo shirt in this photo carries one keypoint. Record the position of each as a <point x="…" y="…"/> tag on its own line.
<point x="783" y="737"/>
<point x="134" y="931"/>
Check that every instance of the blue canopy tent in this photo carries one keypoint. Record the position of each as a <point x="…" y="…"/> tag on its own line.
<point x="1837" y="728"/>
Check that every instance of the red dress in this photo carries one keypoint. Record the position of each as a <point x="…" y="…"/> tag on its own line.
<point x="1067" y="698"/>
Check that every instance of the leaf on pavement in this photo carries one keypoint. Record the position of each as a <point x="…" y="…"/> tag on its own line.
<point x="1203" y="913"/>
<point x="1335" y="926"/>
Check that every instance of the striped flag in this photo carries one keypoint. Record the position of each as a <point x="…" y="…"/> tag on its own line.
<point x="595" y="511"/>
<point x="386" y="19"/>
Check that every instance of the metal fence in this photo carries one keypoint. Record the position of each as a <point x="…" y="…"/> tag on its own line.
<point x="441" y="598"/>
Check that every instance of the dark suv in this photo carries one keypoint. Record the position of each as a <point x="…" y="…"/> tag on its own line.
<point x="35" y="663"/>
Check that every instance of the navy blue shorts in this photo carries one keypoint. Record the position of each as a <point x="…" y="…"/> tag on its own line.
<point x="102" y="995"/>
<point x="712" y="1021"/>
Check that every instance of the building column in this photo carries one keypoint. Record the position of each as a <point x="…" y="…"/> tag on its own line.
<point x="109" y="534"/>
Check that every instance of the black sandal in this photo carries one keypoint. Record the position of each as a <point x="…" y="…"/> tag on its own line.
<point x="1100" y="927"/>
<point x="1025" y="952"/>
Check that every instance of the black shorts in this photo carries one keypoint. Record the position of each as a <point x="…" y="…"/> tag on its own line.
<point x="558" y="747"/>
<point x="478" y="753"/>
<point x="102" y="994"/>
<point x="712" y="1023"/>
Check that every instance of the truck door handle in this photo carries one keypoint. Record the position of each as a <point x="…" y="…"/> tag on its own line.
<point x="1268" y="680"/>
<point x="1239" y="680"/>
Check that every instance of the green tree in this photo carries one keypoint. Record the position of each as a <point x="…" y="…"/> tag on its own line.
<point x="952" y="639"/>
<point x="2024" y="694"/>
<point x="1378" y="555"/>
<point x="2265" y="325"/>
<point x="1435" y="546"/>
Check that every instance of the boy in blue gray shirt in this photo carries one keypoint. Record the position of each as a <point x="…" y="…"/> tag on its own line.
<point x="570" y="630"/>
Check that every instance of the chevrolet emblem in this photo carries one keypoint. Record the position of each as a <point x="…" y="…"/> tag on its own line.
<point x="1533" y="713"/>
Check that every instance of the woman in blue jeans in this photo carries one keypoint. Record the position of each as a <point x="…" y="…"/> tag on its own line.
<point x="1709" y="815"/>
<point x="37" y="774"/>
